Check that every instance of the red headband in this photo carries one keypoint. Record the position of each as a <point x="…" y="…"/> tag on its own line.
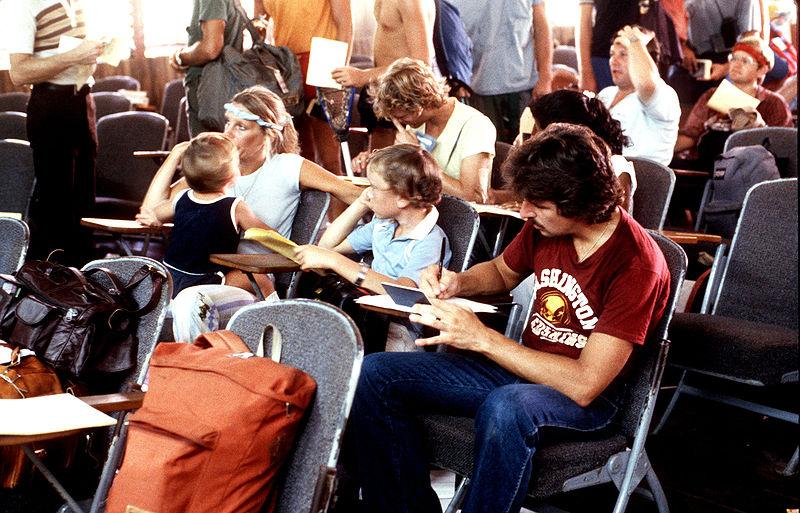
<point x="751" y="50"/>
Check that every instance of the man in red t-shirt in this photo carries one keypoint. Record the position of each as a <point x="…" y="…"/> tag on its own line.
<point x="600" y="283"/>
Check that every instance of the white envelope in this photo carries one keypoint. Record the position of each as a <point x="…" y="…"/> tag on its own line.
<point x="728" y="96"/>
<point x="326" y="55"/>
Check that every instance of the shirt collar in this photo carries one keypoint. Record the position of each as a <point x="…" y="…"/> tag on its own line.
<point x="425" y="226"/>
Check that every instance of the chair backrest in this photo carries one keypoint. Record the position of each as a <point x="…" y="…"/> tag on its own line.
<point x="119" y="173"/>
<point x="566" y="55"/>
<point x="182" y="124"/>
<point x="13" y="125"/>
<point x="639" y="373"/>
<point x="308" y="219"/>
<point x="110" y="103"/>
<point x="322" y="341"/>
<point x="14" y="102"/>
<point x="759" y="282"/>
<point x="655" y="183"/>
<point x="171" y="100"/>
<point x="460" y="223"/>
<point x="13" y="244"/>
<point x="501" y="150"/>
<point x="116" y="82"/>
<point x="149" y="326"/>
<point x="17" y="176"/>
<point x="782" y="143"/>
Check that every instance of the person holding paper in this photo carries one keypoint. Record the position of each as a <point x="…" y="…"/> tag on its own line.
<point x="61" y="118"/>
<point x="601" y="285"/>
<point x="750" y="60"/>
<point x="644" y="104"/>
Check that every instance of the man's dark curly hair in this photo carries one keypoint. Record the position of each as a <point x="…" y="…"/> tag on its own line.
<point x="574" y="107"/>
<point x="568" y="165"/>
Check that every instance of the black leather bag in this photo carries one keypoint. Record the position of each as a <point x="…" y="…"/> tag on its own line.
<point x="70" y="320"/>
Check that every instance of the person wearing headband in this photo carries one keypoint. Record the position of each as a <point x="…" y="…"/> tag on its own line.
<point x="273" y="175"/>
<point x="750" y="60"/>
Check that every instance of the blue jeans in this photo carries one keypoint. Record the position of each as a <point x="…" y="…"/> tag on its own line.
<point x="509" y="416"/>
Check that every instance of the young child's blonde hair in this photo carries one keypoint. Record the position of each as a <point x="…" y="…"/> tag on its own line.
<point x="409" y="171"/>
<point x="209" y="162"/>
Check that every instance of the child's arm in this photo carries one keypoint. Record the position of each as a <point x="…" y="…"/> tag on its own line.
<point x="335" y="236"/>
<point x="157" y="214"/>
<point x="314" y="257"/>
<point x="245" y="218"/>
<point x="161" y="188"/>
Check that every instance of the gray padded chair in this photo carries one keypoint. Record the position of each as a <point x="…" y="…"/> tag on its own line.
<point x="114" y="83"/>
<point x="17" y="176"/>
<point x="782" y="143"/>
<point x="13" y="125"/>
<point x="182" y="124"/>
<point x="170" y="106"/>
<point x="14" y="102"/>
<point x="749" y="334"/>
<point x="615" y="455"/>
<point x="501" y="151"/>
<point x="460" y="222"/>
<point x="322" y="341"/>
<point x="655" y="183"/>
<point x="110" y="103"/>
<point x="122" y="179"/>
<point x="14" y="239"/>
<point x="566" y="55"/>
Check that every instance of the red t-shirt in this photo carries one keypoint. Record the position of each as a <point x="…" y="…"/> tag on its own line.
<point x="620" y="290"/>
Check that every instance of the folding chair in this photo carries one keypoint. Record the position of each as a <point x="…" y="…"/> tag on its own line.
<point x="13" y="125"/>
<point x="182" y="124"/>
<point x="13" y="245"/>
<point x="170" y="107"/>
<point x="460" y="222"/>
<point x="616" y="455"/>
<point x="14" y="102"/>
<point x="655" y="183"/>
<point x="17" y="176"/>
<point x="748" y="334"/>
<point x="114" y="83"/>
<point x="782" y="142"/>
<point x="106" y="103"/>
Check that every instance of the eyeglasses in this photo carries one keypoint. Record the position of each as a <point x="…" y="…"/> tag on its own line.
<point x="743" y="59"/>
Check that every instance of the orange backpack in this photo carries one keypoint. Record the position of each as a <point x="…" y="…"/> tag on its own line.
<point x="214" y="429"/>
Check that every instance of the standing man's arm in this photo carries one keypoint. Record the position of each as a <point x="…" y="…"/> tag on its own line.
<point x="203" y="51"/>
<point x="343" y="19"/>
<point x="27" y="69"/>
<point x="543" y="49"/>
<point x="584" y="46"/>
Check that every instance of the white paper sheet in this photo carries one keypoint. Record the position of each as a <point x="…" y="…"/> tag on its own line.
<point x="384" y="301"/>
<point x="326" y="55"/>
<point x="526" y="122"/>
<point x="48" y="414"/>
<point x="728" y="96"/>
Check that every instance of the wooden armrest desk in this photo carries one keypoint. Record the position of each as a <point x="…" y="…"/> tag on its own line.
<point x="259" y="264"/>
<point x="158" y="156"/>
<point x="121" y="227"/>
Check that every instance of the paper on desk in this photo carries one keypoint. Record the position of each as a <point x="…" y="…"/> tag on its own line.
<point x="326" y="55"/>
<point x="272" y="240"/>
<point x="385" y="301"/>
<point x="14" y="215"/>
<point x="526" y="122"/>
<point x="48" y="414"/>
<point x="82" y="71"/>
<point x="728" y="96"/>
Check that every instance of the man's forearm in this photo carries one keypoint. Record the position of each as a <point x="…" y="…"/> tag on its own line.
<point x="643" y="70"/>
<point x="26" y="69"/>
<point x="542" y="43"/>
<point x="483" y="279"/>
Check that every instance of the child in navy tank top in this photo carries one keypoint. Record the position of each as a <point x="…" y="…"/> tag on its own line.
<point x="206" y="220"/>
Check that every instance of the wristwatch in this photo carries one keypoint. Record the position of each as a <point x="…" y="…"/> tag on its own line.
<point x="178" y="59"/>
<point x="362" y="273"/>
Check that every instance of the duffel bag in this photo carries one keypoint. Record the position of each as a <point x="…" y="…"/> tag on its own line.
<point x="70" y="320"/>
<point x="215" y="427"/>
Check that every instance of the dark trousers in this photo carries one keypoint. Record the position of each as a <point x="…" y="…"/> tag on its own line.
<point x="61" y="130"/>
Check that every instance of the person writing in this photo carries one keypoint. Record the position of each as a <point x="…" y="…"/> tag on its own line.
<point x="601" y="284"/>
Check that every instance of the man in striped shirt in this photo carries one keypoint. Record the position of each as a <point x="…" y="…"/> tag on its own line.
<point x="61" y="117"/>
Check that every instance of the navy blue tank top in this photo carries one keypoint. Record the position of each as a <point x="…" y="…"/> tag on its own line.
<point x="200" y="230"/>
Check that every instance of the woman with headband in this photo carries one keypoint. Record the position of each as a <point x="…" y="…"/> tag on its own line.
<point x="272" y="176"/>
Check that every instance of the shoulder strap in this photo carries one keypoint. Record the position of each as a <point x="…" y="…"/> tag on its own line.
<point x="254" y="34"/>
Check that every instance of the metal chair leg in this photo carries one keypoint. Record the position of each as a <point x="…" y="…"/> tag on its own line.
<point x="791" y="467"/>
<point x="671" y="405"/>
<point x="657" y="491"/>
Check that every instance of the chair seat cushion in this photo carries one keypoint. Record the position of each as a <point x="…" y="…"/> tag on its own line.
<point x="451" y="440"/>
<point x="746" y="351"/>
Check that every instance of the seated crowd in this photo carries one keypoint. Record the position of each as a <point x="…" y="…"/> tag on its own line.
<point x="600" y="283"/>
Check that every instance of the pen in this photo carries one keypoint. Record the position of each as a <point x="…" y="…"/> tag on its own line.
<point x="441" y="259"/>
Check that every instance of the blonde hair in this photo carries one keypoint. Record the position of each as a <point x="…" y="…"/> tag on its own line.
<point x="408" y="85"/>
<point x="268" y="106"/>
<point x="209" y="162"/>
<point x="409" y="171"/>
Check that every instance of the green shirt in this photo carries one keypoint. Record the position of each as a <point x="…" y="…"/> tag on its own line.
<point x="205" y="10"/>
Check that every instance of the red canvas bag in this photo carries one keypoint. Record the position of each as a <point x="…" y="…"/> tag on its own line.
<point x="215" y="427"/>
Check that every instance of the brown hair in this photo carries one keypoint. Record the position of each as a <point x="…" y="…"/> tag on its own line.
<point x="268" y="106"/>
<point x="408" y="85"/>
<point x="409" y="171"/>
<point x="209" y="162"/>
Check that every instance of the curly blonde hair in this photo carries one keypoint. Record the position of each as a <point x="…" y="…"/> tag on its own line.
<point x="409" y="171"/>
<point x="407" y="85"/>
<point x="268" y="106"/>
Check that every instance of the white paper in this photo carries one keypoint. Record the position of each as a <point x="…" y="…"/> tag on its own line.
<point x="728" y="96"/>
<point x="526" y="122"/>
<point x="326" y="55"/>
<point x="48" y="414"/>
<point x="113" y="52"/>
<point x="385" y="301"/>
